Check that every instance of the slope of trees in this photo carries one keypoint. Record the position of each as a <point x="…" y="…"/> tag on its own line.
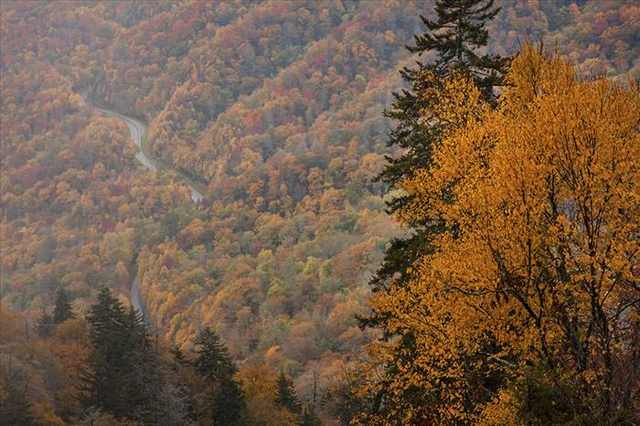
<point x="39" y="377"/>
<point x="277" y="109"/>
<point x="106" y="369"/>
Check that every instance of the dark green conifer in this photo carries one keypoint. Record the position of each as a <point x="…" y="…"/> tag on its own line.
<point x="229" y="406"/>
<point x="123" y="377"/>
<point x="212" y="358"/>
<point x="286" y="394"/>
<point x="456" y="37"/>
<point x="144" y="380"/>
<point x="15" y="407"/>
<point x="213" y="363"/>
<point x="44" y="325"/>
<point x="62" y="310"/>
<point x="107" y="361"/>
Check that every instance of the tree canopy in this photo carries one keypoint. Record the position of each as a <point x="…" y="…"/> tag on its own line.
<point x="541" y="199"/>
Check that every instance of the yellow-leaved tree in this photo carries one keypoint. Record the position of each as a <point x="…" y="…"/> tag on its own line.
<point x="528" y="311"/>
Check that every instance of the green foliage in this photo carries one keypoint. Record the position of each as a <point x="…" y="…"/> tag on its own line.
<point x="456" y="36"/>
<point x="121" y="359"/>
<point x="62" y="310"/>
<point x="229" y="406"/>
<point x="286" y="394"/>
<point x="212" y="358"/>
<point x="45" y="324"/>
<point x="214" y="365"/>
<point x="15" y="405"/>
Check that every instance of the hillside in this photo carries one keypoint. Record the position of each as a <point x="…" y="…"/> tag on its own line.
<point x="276" y="109"/>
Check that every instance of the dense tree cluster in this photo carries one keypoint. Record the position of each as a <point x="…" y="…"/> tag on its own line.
<point x="521" y="303"/>
<point x="598" y="38"/>
<point x="75" y="208"/>
<point x="107" y="368"/>
<point x="275" y="109"/>
<point x="527" y="309"/>
<point x="455" y="36"/>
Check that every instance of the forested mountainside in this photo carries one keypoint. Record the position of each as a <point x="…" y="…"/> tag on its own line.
<point x="275" y="110"/>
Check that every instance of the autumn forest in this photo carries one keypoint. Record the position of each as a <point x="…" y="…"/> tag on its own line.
<point x="319" y="212"/>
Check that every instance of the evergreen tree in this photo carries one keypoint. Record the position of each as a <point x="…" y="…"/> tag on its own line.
<point x="179" y="389"/>
<point x="229" y="406"/>
<point x="455" y="36"/>
<point x="212" y="358"/>
<point x="144" y="379"/>
<point x="122" y="378"/>
<point x="45" y="324"/>
<point x="15" y="407"/>
<point x="309" y="417"/>
<point x="174" y="405"/>
<point x="62" y="310"/>
<point x="215" y="366"/>
<point x="286" y="394"/>
<point x="107" y="361"/>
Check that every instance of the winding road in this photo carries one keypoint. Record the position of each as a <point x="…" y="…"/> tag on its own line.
<point x="138" y="130"/>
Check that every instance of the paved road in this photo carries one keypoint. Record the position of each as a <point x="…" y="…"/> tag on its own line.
<point x="138" y="129"/>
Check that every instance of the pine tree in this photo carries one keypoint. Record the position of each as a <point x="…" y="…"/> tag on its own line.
<point x="123" y="377"/>
<point x="107" y="361"/>
<point x="45" y="324"/>
<point x="212" y="358"/>
<point x="455" y="36"/>
<point x="215" y="366"/>
<point x="15" y="407"/>
<point x="62" y="310"/>
<point x="144" y="379"/>
<point x="286" y="394"/>
<point x="229" y="406"/>
<point x="179" y="389"/>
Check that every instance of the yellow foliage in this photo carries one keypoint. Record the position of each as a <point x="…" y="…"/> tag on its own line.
<point x="541" y="198"/>
<point x="259" y="386"/>
<point x="501" y="411"/>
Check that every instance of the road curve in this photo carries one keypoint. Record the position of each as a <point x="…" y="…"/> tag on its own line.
<point x="138" y="130"/>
